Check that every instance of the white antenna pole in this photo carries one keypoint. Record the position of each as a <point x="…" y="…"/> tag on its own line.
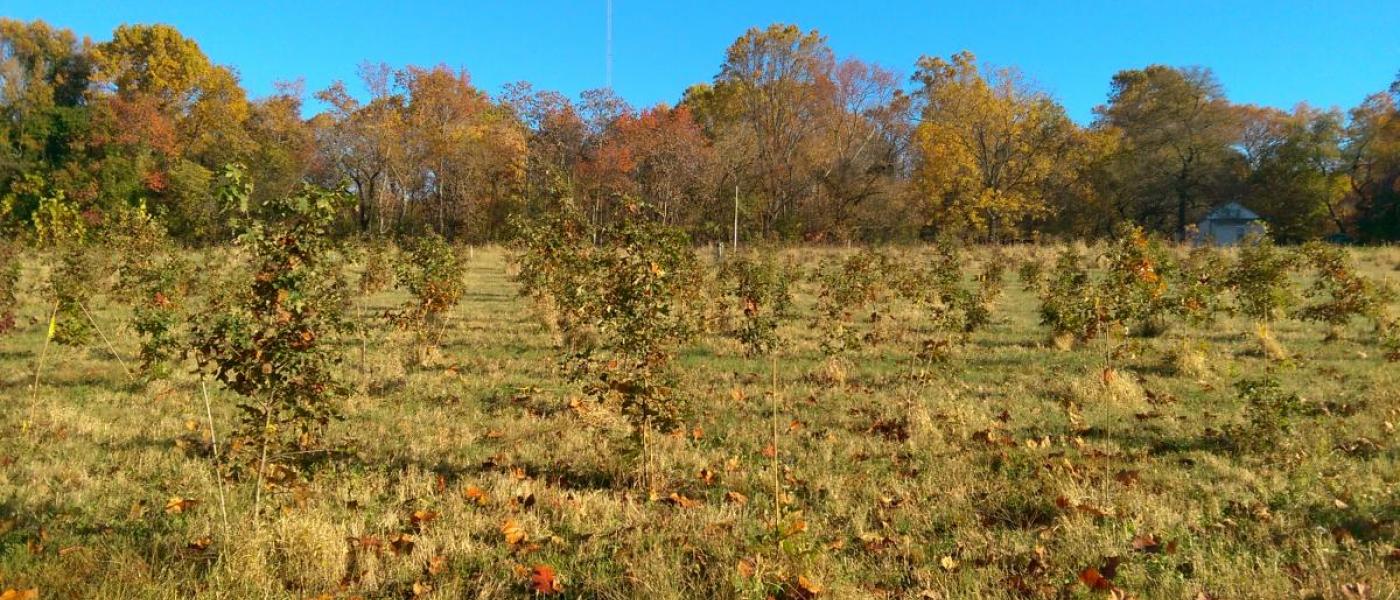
<point x="609" y="45"/>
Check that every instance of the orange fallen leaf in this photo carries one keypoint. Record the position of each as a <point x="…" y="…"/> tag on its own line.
<point x="807" y="588"/>
<point x="543" y="580"/>
<point x="734" y="497"/>
<point x="513" y="532"/>
<point x="681" y="501"/>
<point x="476" y="495"/>
<point x="419" y="518"/>
<point x="13" y="594"/>
<point x="179" y="504"/>
<point x="437" y="564"/>
<point x="1094" y="580"/>
<point x="745" y="568"/>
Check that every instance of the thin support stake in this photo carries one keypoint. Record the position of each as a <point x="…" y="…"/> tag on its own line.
<point x="39" y="368"/>
<point x="111" y="349"/>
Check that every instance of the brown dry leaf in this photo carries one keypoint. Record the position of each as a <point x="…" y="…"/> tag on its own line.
<point x="736" y="394"/>
<point x="734" y="497"/>
<point x="437" y="564"/>
<point x="770" y="451"/>
<point x="1147" y="543"/>
<point x="200" y="544"/>
<point x="518" y="474"/>
<point x="401" y="544"/>
<point x="807" y="588"/>
<point x="179" y="504"/>
<point x="476" y="495"/>
<point x="419" y="518"/>
<point x="697" y="433"/>
<point x="706" y="476"/>
<point x="745" y="568"/>
<point x="513" y="532"/>
<point x="13" y="594"/>
<point x="421" y="588"/>
<point x="1127" y="477"/>
<point x="191" y="425"/>
<point x="794" y="425"/>
<point x="544" y="581"/>
<point x="795" y="527"/>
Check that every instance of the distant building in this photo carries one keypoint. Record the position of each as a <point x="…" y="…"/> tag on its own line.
<point x="1227" y="224"/>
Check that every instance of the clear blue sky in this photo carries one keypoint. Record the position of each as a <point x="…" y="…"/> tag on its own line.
<point x="1264" y="52"/>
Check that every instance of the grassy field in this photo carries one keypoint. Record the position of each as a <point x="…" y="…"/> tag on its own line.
<point x="1010" y="471"/>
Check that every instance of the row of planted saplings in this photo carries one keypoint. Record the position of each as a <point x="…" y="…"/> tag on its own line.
<point x="268" y="318"/>
<point x="1138" y="286"/>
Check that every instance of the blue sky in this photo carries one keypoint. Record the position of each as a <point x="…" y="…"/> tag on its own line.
<point x="1272" y="53"/>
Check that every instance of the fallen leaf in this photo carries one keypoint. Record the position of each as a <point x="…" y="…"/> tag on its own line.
<point x="948" y="563"/>
<point x="476" y="495"/>
<point x="734" y="497"/>
<point x="179" y="504"/>
<point x="12" y="594"/>
<point x="401" y="544"/>
<point x="1094" y="580"/>
<point x="807" y="588"/>
<point x="678" y="499"/>
<point x="745" y="568"/>
<point x="1127" y="477"/>
<point x="513" y="532"/>
<point x="1147" y="543"/>
<point x="419" y="518"/>
<point x="543" y="580"/>
<point x="437" y="564"/>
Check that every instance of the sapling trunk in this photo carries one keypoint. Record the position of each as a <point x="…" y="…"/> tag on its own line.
<point x="214" y="443"/>
<point x="262" y="462"/>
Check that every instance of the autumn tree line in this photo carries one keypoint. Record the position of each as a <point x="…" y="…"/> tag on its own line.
<point x="803" y="144"/>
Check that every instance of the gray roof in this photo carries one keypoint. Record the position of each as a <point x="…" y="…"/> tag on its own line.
<point x="1231" y="211"/>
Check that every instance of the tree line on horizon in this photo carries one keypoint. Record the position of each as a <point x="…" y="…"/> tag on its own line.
<point x="808" y="146"/>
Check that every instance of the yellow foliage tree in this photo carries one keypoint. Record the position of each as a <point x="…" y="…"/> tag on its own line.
<point x="988" y="146"/>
